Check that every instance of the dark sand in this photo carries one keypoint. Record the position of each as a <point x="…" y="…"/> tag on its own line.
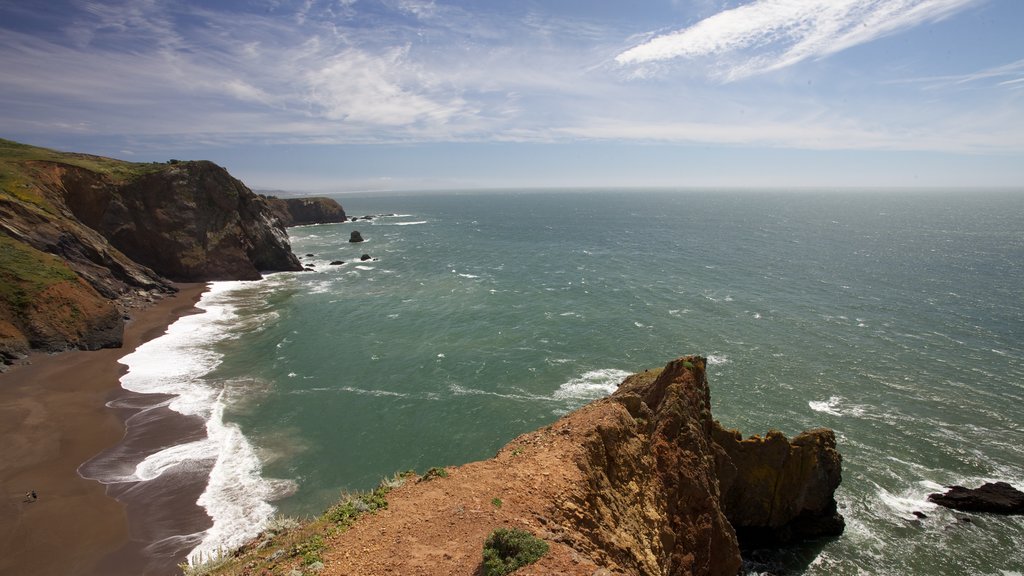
<point x="53" y="418"/>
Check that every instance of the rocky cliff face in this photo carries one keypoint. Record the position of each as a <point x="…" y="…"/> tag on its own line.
<point x="190" y="222"/>
<point x="302" y="211"/>
<point x="644" y="482"/>
<point x="84" y="235"/>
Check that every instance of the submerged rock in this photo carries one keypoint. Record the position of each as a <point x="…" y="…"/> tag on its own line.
<point x="995" y="498"/>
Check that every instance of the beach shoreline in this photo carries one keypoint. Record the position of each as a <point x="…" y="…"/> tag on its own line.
<point x="53" y="418"/>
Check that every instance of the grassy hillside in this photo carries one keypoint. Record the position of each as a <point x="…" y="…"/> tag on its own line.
<point x="17" y="179"/>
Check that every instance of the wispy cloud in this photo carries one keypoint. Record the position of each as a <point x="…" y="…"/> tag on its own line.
<point x="357" y="72"/>
<point x="767" y="35"/>
<point x="1011" y="74"/>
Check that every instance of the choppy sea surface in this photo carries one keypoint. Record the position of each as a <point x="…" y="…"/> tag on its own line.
<point x="894" y="317"/>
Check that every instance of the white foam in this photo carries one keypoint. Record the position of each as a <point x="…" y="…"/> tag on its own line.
<point x="155" y="464"/>
<point x="406" y="223"/>
<point x="836" y="406"/>
<point x="826" y="406"/>
<point x="364" y="267"/>
<point x="717" y="359"/>
<point x="237" y="496"/>
<point x="591" y="385"/>
<point x="365" y="392"/>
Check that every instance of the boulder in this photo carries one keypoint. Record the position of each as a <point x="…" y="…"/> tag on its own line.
<point x="995" y="498"/>
<point x="337" y="262"/>
<point x="355" y="236"/>
<point x="364" y="257"/>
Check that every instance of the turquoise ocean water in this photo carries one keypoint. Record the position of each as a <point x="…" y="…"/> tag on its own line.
<point x="896" y="318"/>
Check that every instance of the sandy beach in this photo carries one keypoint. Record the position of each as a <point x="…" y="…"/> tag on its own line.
<point x="53" y="418"/>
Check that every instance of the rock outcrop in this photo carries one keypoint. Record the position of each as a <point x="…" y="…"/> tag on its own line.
<point x="190" y="222"/>
<point x="355" y="236"/>
<point x="85" y="236"/>
<point x="991" y="497"/>
<point x="777" y="492"/>
<point x="303" y="211"/>
<point x="638" y="483"/>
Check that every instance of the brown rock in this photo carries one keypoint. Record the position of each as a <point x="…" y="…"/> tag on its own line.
<point x="310" y="210"/>
<point x="193" y="222"/>
<point x="777" y="492"/>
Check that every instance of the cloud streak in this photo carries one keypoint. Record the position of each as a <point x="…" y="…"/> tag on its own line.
<point x="768" y="35"/>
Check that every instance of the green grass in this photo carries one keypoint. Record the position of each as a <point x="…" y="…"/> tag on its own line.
<point x="25" y="272"/>
<point x="434" y="473"/>
<point x="509" y="549"/>
<point x="18" y="181"/>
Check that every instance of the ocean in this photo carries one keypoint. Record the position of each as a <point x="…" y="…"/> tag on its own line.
<point x="894" y="317"/>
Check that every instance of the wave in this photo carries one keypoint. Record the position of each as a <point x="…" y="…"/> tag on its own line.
<point x="591" y="385"/>
<point x="717" y="359"/>
<point x="836" y="406"/>
<point x="236" y="497"/>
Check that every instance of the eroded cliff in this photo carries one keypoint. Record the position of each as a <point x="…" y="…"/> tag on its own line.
<point x="84" y="236"/>
<point x="638" y="483"/>
<point x="308" y="210"/>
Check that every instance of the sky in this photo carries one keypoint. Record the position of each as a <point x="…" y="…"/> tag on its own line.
<point x="319" y="96"/>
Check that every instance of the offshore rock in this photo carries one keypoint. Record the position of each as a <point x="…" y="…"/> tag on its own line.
<point x="355" y="236"/>
<point x="629" y="484"/>
<point x="995" y="498"/>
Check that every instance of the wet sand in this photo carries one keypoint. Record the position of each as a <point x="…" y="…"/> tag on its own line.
<point x="53" y="418"/>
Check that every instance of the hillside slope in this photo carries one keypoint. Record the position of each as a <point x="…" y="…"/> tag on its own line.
<point x="85" y="237"/>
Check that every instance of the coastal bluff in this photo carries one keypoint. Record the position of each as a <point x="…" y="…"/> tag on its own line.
<point x="643" y="482"/>
<point x="83" y="239"/>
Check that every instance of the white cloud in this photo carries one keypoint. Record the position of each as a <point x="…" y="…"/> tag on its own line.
<point x="767" y="35"/>
<point x="382" y="88"/>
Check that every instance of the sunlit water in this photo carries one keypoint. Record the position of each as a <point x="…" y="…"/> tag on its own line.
<point x="895" y="318"/>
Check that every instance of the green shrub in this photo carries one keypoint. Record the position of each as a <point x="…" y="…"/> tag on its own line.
<point x="508" y="549"/>
<point x="344" y="513"/>
<point x="435" y="472"/>
<point x="310" y="549"/>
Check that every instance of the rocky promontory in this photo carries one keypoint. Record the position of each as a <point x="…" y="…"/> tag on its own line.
<point x="85" y="237"/>
<point x="643" y="482"/>
<point x="308" y="210"/>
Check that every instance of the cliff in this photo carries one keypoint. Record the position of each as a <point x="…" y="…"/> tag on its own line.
<point x="84" y="237"/>
<point x="302" y="211"/>
<point x="643" y="482"/>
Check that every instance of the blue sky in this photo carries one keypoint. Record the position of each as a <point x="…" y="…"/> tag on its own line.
<point x="346" y="95"/>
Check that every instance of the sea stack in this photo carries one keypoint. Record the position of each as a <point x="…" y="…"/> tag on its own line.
<point x="355" y="236"/>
